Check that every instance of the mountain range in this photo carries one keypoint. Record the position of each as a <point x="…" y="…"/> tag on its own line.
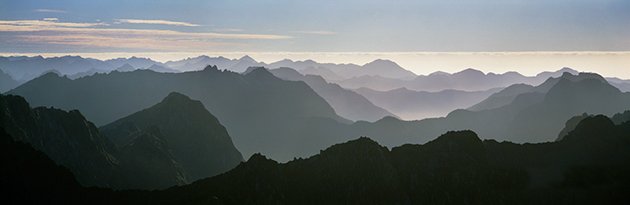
<point x="589" y="166"/>
<point x="259" y="110"/>
<point x="195" y="138"/>
<point x="149" y="157"/>
<point x="347" y="103"/>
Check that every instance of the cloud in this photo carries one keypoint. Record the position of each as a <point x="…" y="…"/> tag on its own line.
<point x="101" y="35"/>
<point x="228" y="30"/>
<point x="51" y="19"/>
<point x="316" y="32"/>
<point x="50" y="11"/>
<point x="158" y="22"/>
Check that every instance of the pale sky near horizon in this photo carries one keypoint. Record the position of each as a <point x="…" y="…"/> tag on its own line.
<point x="474" y="33"/>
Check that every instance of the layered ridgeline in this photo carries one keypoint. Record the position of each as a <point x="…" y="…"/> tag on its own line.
<point x="25" y="68"/>
<point x="196" y="139"/>
<point x="346" y="103"/>
<point x="146" y="159"/>
<point x="260" y="111"/>
<point x="413" y="105"/>
<point x="591" y="165"/>
<point x="537" y="115"/>
<point x="465" y="80"/>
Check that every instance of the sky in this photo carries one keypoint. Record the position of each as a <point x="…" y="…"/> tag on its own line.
<point x="323" y="28"/>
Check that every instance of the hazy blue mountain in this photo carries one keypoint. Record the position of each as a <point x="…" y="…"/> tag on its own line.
<point x="27" y="68"/>
<point x="336" y="72"/>
<point x="502" y="98"/>
<point x="413" y="105"/>
<point x="200" y="62"/>
<point x="7" y="82"/>
<point x="346" y="103"/>
<point x="125" y="68"/>
<point x="196" y="139"/>
<point x="24" y="68"/>
<point x="74" y="142"/>
<point x="623" y="85"/>
<point x="530" y="117"/>
<point x="465" y="80"/>
<point x="161" y="69"/>
<point x="134" y="62"/>
<point x="260" y="111"/>
<point x="386" y="68"/>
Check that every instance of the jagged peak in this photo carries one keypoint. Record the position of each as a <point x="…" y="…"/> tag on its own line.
<point x="211" y="68"/>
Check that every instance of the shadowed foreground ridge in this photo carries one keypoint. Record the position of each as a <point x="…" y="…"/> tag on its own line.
<point x="590" y="165"/>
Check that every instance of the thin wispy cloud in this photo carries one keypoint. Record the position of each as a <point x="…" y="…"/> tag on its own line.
<point x="316" y="32"/>
<point x="51" y="19"/>
<point x="50" y="11"/>
<point x="228" y="30"/>
<point x="156" y="22"/>
<point x="102" y="35"/>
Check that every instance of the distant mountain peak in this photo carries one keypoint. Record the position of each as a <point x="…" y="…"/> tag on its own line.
<point x="439" y="73"/>
<point x="469" y="71"/>
<point x="125" y="67"/>
<point x="382" y="62"/>
<point x="247" y="58"/>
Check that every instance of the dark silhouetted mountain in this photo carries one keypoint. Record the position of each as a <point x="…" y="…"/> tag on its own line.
<point x="571" y="124"/>
<point x="346" y="103"/>
<point x="196" y="139"/>
<point x="66" y="137"/>
<point x="7" y="82"/>
<point x="589" y="166"/>
<point x="73" y="142"/>
<point x="620" y="118"/>
<point x="259" y="110"/>
<point x="413" y="105"/>
<point x="28" y="176"/>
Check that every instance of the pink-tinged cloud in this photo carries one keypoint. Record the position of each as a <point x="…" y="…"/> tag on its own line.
<point x="101" y="35"/>
<point x="154" y="21"/>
